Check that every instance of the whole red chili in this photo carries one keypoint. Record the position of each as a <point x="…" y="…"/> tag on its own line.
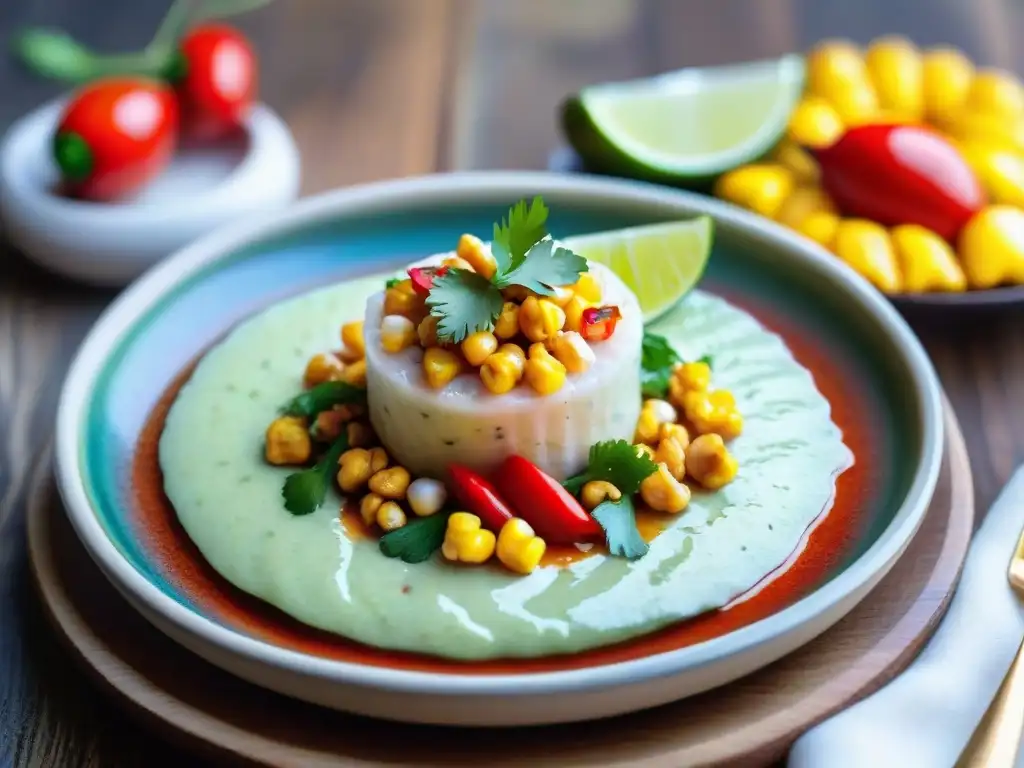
<point x="598" y="323"/>
<point x="114" y="136"/>
<point x="479" y="497"/>
<point x="423" y="277"/>
<point x="900" y="174"/>
<point x="215" y="75"/>
<point x="541" y="501"/>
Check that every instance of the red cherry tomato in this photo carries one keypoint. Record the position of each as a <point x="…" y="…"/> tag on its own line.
<point x="114" y="136"/>
<point x="218" y="81"/>
<point x="900" y="174"/>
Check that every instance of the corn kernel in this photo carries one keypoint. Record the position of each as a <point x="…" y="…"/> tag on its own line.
<point x="397" y="333"/>
<point x="502" y="371"/>
<point x="368" y="507"/>
<point x="596" y="492"/>
<point x="426" y="496"/>
<point x="642" y="449"/>
<point x="352" y="338"/>
<point x="507" y="324"/>
<point x="713" y="412"/>
<point x="519" y="548"/>
<point x="321" y="368"/>
<point x="440" y="366"/>
<point x="288" y="441"/>
<point x="458" y="263"/>
<point x="360" y="434"/>
<point x="709" y="462"/>
<point x="573" y="351"/>
<point x="663" y="493"/>
<point x="478" y="346"/>
<point x="663" y="410"/>
<point x="427" y="331"/>
<point x="561" y="295"/>
<point x="574" y="313"/>
<point x="465" y="541"/>
<point x="693" y="376"/>
<point x="478" y="255"/>
<point x="675" y="432"/>
<point x="402" y="299"/>
<point x="647" y="427"/>
<point x="543" y="372"/>
<point x="354" y="469"/>
<point x="672" y="455"/>
<point x="390" y="483"/>
<point x="588" y="288"/>
<point x="355" y="374"/>
<point x="390" y="516"/>
<point x="540" y="319"/>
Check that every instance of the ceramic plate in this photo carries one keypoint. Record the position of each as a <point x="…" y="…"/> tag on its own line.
<point x="882" y="389"/>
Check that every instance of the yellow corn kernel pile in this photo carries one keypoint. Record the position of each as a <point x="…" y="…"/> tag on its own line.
<point x="536" y="340"/>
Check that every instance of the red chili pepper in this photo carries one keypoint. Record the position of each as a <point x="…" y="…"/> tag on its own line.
<point x="900" y="174"/>
<point x="423" y="277"/>
<point x="479" y="497"/>
<point x="114" y="136"/>
<point x="216" y="79"/>
<point x="541" y="501"/>
<point x="598" y="323"/>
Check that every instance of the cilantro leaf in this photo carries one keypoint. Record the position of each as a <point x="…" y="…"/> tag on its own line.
<point x="464" y="303"/>
<point x="657" y="359"/>
<point x="545" y="266"/>
<point x="618" y="519"/>
<point x="392" y="282"/>
<point x="305" y="491"/>
<point x="708" y="360"/>
<point x="517" y="234"/>
<point x="616" y="462"/>
<point x="323" y="397"/>
<point x="417" y="540"/>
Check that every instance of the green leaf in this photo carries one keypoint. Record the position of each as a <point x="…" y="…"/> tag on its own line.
<point x="657" y="358"/>
<point x="220" y="9"/>
<point x="416" y="541"/>
<point x="517" y="234"/>
<point x="618" y="519"/>
<point x="392" y="282"/>
<point x="305" y="491"/>
<point x="545" y="267"/>
<point x="464" y="303"/>
<point x="323" y="397"/>
<point x="54" y="54"/>
<point x="616" y="462"/>
<point x="708" y="360"/>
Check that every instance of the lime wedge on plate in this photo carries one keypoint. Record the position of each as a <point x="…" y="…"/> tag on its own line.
<point x="688" y="126"/>
<point x="659" y="262"/>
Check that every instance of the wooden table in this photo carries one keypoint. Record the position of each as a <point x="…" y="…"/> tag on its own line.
<point x="384" y="88"/>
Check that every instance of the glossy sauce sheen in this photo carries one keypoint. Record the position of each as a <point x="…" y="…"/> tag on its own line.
<point x="827" y="546"/>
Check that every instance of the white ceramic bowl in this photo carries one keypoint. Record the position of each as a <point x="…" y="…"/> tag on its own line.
<point x="113" y="243"/>
<point x="139" y="345"/>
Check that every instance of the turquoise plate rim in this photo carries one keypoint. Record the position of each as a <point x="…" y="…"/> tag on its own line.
<point x="229" y="648"/>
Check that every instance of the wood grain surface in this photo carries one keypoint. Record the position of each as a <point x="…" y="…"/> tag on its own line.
<point x="383" y="88"/>
<point x="747" y="724"/>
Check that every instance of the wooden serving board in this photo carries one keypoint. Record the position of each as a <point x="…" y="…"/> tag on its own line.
<point x="750" y="722"/>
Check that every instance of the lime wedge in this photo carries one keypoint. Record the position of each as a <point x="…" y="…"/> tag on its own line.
<point x="685" y="127"/>
<point x="659" y="262"/>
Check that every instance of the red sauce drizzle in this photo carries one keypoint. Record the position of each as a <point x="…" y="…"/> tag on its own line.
<point x="828" y="542"/>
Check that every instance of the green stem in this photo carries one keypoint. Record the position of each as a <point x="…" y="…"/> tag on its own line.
<point x="172" y="27"/>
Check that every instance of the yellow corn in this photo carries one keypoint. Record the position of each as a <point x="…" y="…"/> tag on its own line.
<point x="390" y="516"/>
<point x="368" y="507"/>
<point x="479" y="256"/>
<point x="866" y="247"/>
<point x="796" y="160"/>
<point x="804" y="202"/>
<point x="597" y="492"/>
<point x="288" y="441"/>
<point x="642" y="449"/>
<point x="926" y="260"/>
<point x="991" y="247"/>
<point x="573" y="352"/>
<point x="478" y="346"/>
<point x="354" y="471"/>
<point x="543" y="372"/>
<point x="507" y="324"/>
<point x="834" y="64"/>
<point x="321" y="368"/>
<point x="663" y="411"/>
<point x="355" y="373"/>
<point x="1000" y="170"/>
<point x="440" y="366"/>
<point x="402" y="299"/>
<point x="997" y="93"/>
<point x="397" y="333"/>
<point x="897" y="72"/>
<point x="713" y="412"/>
<point x="515" y="351"/>
<point x="671" y="454"/>
<point x="820" y="227"/>
<point x="458" y="262"/>
<point x="760" y="187"/>
<point x="519" y="548"/>
<point x="693" y="376"/>
<point x="360" y="434"/>
<point x="426" y="496"/>
<point x="675" y="432"/>
<point x="588" y="288"/>
<point x="574" y="313"/>
<point x="540" y="319"/>
<point x="390" y="483"/>
<point x="646" y="427"/>
<point x="352" y="338"/>
<point x="465" y="541"/>
<point x="814" y="123"/>
<point x="947" y="75"/>
<point x="426" y="331"/>
<point x="503" y="370"/>
<point x="663" y="493"/>
<point x="856" y="104"/>
<point x="709" y="462"/>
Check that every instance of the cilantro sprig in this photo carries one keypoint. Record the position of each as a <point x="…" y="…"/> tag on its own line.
<point x="657" y="359"/>
<point x="304" y="492"/>
<point x="417" y="540"/>
<point x="618" y="519"/>
<point x="323" y="397"/>
<point x="524" y="254"/>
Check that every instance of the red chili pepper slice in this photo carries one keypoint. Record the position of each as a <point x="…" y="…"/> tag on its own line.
<point x="479" y="497"/>
<point x="423" y="277"/>
<point x="598" y="323"/>
<point x="540" y="500"/>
